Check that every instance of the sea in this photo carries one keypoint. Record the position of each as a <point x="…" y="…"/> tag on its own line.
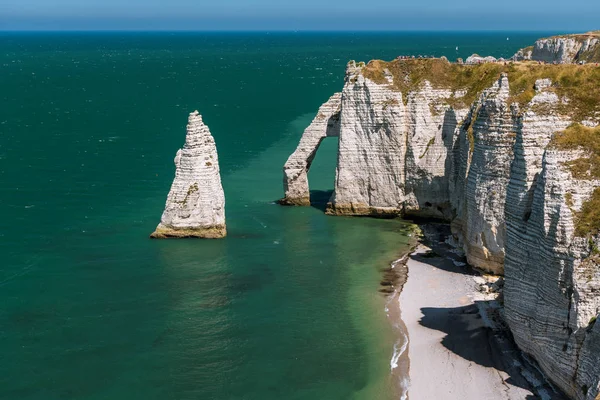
<point x="288" y="306"/>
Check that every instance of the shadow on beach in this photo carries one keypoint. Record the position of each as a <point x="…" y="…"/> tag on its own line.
<point x="468" y="337"/>
<point x="434" y="236"/>
<point x="477" y="332"/>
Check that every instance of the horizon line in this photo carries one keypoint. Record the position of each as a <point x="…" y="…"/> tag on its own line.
<point x="174" y="30"/>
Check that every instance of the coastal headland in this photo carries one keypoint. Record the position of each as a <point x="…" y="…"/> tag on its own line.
<point x="506" y="153"/>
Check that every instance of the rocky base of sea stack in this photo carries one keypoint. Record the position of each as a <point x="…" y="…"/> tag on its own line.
<point x="295" y="201"/>
<point x="361" y="210"/>
<point x="212" y="232"/>
<point x="195" y="206"/>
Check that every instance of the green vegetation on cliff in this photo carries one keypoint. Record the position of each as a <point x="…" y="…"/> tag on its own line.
<point x="591" y="56"/>
<point x="579" y="36"/>
<point x="587" y="139"/>
<point x="576" y="136"/>
<point x="587" y="221"/>
<point x="579" y="84"/>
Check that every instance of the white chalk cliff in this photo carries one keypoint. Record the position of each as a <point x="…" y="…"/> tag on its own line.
<point x="477" y="59"/>
<point x="481" y="157"/>
<point x="563" y="49"/>
<point x="295" y="171"/>
<point x="552" y="279"/>
<point x="369" y="173"/>
<point x="196" y="203"/>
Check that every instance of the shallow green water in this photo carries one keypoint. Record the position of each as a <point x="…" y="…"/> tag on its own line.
<point x="285" y="307"/>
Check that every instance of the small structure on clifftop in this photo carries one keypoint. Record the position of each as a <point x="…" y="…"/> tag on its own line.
<point x="196" y="202"/>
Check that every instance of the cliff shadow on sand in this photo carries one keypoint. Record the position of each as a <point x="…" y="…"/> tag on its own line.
<point x="456" y="311"/>
<point x="468" y="336"/>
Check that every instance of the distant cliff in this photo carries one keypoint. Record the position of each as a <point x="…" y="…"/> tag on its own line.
<point x="584" y="47"/>
<point x="510" y="156"/>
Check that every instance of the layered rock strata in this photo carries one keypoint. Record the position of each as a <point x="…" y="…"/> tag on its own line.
<point x="552" y="279"/>
<point x="563" y="49"/>
<point x="482" y="228"/>
<point x="295" y="170"/>
<point x="196" y="203"/>
<point x="370" y="174"/>
<point x="473" y="145"/>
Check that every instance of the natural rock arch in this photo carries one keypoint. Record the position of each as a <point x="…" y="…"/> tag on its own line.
<point x="295" y="170"/>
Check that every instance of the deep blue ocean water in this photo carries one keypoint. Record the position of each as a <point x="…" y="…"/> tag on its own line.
<point x="287" y="306"/>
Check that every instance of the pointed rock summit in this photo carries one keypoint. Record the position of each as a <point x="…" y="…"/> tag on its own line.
<point x="196" y="202"/>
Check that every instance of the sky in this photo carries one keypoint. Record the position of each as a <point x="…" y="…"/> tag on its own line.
<point x="554" y="15"/>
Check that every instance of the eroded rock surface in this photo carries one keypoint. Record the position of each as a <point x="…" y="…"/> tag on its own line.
<point x="196" y="203"/>
<point x="295" y="170"/>
<point x="372" y="145"/>
<point x="552" y="288"/>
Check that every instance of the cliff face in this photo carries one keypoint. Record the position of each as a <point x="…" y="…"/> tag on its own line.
<point x="196" y="203"/>
<point x="370" y="171"/>
<point x="430" y="137"/>
<point x="474" y="145"/>
<point x="552" y="280"/>
<point x="563" y="49"/>
<point x="492" y="130"/>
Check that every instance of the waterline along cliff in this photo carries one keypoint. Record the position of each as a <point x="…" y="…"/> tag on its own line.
<point x="196" y="203"/>
<point x="508" y="153"/>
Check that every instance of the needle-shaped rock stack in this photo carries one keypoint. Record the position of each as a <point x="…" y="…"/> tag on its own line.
<point x="196" y="202"/>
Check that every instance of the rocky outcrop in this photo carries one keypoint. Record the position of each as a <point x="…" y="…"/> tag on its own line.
<point x="370" y="171"/>
<point x="563" y="49"/>
<point x="196" y="203"/>
<point x="458" y="142"/>
<point x="477" y="59"/>
<point x="295" y="170"/>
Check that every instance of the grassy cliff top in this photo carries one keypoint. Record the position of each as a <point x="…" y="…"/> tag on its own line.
<point x="579" y="83"/>
<point x="578" y="35"/>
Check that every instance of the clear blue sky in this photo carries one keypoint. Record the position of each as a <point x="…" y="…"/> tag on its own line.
<point x="550" y="15"/>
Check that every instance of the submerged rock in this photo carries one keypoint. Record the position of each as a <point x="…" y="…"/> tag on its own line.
<point x="196" y="203"/>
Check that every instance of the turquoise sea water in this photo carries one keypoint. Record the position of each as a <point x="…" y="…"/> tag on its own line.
<point x="286" y="307"/>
